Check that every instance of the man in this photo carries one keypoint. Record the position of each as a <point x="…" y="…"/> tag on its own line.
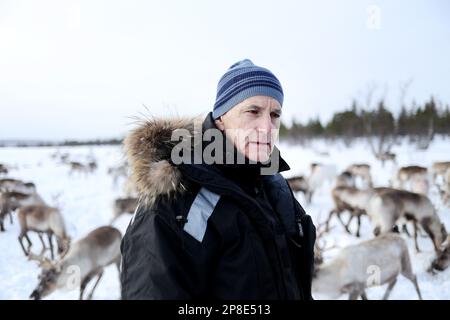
<point x="222" y="229"/>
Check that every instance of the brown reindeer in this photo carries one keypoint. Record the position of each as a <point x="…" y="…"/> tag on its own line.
<point x="43" y="219"/>
<point x="123" y="205"/>
<point x="412" y="178"/>
<point x="12" y="200"/>
<point x="78" y="167"/>
<point x="442" y="261"/>
<point x="388" y="205"/>
<point x="86" y="259"/>
<point x="3" y="169"/>
<point x="8" y="184"/>
<point x="298" y="184"/>
<point x="361" y="170"/>
<point x="439" y="169"/>
<point x="92" y="165"/>
<point x="349" y="199"/>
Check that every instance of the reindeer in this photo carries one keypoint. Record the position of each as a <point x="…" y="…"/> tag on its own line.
<point x="446" y="195"/>
<point x="43" y="219"/>
<point x="320" y="173"/>
<point x="117" y="172"/>
<point x="12" y="200"/>
<point x="80" y="167"/>
<point x="412" y="178"/>
<point x="345" y="179"/>
<point x="348" y="198"/>
<point x="442" y="261"/>
<point x="361" y="170"/>
<point x="387" y="156"/>
<point x="123" y="205"/>
<point x="387" y="206"/>
<point x="298" y="184"/>
<point x="90" y="255"/>
<point x="353" y="269"/>
<point x="3" y="169"/>
<point x="8" y="184"/>
<point x="439" y="169"/>
<point x="92" y="165"/>
<point x="444" y="189"/>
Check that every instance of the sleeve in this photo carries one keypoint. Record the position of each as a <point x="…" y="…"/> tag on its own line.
<point x="155" y="264"/>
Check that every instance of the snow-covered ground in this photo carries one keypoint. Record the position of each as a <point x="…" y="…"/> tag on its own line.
<point x="86" y="203"/>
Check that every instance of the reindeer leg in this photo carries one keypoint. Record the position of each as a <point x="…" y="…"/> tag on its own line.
<point x="364" y="295"/>
<point x="405" y="230"/>
<point x="84" y="283"/>
<point x="49" y="235"/>
<point x="413" y="279"/>
<point x="20" y="238"/>
<point x="348" y="223"/>
<point x="327" y="227"/>
<point x="11" y="218"/>
<point x="2" y="227"/>
<point x="100" y="275"/>
<point x="415" y="237"/>
<point x="42" y="240"/>
<point x="389" y="288"/>
<point x="117" y="263"/>
<point x="342" y="222"/>
<point x="359" y="226"/>
<point x="29" y="242"/>
<point x="353" y="295"/>
<point x="355" y="289"/>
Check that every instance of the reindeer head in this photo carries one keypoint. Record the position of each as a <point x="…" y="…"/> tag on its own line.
<point x="47" y="282"/>
<point x="442" y="261"/>
<point x="319" y="248"/>
<point x="436" y="230"/>
<point x="48" y="277"/>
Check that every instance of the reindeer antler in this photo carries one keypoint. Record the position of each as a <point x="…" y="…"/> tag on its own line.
<point x="43" y="262"/>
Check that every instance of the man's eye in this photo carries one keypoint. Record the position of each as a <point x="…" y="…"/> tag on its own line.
<point x="275" y="115"/>
<point x="253" y="111"/>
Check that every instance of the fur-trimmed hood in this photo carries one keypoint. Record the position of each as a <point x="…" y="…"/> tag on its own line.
<point x="148" y="149"/>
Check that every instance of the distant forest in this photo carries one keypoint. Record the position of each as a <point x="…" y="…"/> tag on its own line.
<point x="420" y="122"/>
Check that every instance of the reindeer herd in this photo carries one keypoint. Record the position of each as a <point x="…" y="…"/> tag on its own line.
<point x="390" y="210"/>
<point x="71" y="265"/>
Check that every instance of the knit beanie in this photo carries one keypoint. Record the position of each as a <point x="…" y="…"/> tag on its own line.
<point x="244" y="80"/>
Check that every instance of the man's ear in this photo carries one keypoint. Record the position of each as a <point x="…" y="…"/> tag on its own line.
<point x="219" y="123"/>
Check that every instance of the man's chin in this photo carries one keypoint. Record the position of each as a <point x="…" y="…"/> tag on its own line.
<point x="262" y="157"/>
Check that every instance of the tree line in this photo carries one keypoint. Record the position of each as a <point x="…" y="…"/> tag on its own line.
<point x="417" y="122"/>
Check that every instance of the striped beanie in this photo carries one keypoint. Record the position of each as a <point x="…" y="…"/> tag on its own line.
<point x="244" y="80"/>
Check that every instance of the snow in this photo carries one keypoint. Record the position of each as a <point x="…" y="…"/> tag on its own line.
<point x="86" y="203"/>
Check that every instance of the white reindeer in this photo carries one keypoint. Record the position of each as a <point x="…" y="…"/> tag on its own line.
<point x="369" y="263"/>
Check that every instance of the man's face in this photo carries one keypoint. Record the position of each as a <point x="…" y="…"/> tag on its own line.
<point x="253" y="126"/>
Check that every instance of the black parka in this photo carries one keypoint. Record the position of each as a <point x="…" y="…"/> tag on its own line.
<point x="210" y="232"/>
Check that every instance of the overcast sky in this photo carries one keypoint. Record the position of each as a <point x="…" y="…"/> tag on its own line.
<point x="80" y="69"/>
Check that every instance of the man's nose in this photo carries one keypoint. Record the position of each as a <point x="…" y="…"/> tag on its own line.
<point x="266" y="125"/>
